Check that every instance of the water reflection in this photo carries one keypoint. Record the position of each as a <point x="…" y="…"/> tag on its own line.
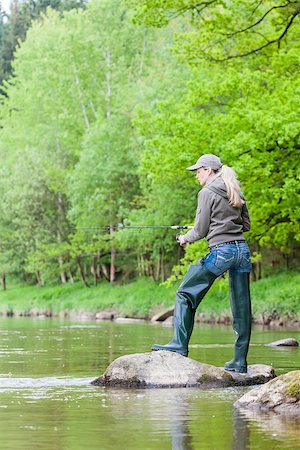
<point x="188" y="418"/>
<point x="192" y="419"/>
<point x="181" y="436"/>
<point x="240" y="434"/>
<point x="276" y="425"/>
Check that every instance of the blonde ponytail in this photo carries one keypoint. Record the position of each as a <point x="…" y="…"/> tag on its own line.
<point x="232" y="184"/>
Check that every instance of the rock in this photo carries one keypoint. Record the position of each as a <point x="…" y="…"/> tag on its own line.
<point x="105" y="315"/>
<point x="64" y="314"/>
<point x="128" y="320"/>
<point x="276" y="323"/>
<point x="168" y="369"/>
<point x="256" y="374"/>
<point x="168" y="322"/>
<point x="281" y="395"/>
<point x="289" y="342"/>
<point x="86" y="315"/>
<point x="162" y="316"/>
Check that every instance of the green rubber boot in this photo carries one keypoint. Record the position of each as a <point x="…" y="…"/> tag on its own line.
<point x="196" y="283"/>
<point x="241" y="311"/>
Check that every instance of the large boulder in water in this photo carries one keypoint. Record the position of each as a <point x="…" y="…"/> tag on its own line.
<point x="168" y="369"/>
<point x="281" y="395"/>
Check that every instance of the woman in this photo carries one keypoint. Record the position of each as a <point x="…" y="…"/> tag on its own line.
<point x="222" y="217"/>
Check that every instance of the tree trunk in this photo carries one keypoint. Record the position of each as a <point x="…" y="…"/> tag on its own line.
<point x="151" y="270"/>
<point x="105" y="271"/>
<point x="71" y="277"/>
<point x="112" y="274"/>
<point x="158" y="268"/>
<point x="142" y="57"/>
<point x="259" y="270"/>
<point x="286" y="258"/>
<point x="98" y="272"/>
<point x="142" y="270"/>
<point x="162" y="265"/>
<point x="94" y="270"/>
<point x="81" y="273"/>
<point x="108" y="86"/>
<point x="61" y="219"/>
<point x="3" y="281"/>
<point x="83" y="108"/>
<point x="63" y="276"/>
<point x="39" y="279"/>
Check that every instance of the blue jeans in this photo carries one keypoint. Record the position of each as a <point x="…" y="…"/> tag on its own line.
<point x="232" y="257"/>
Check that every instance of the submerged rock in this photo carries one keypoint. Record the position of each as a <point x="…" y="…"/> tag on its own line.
<point x="129" y="320"/>
<point x="288" y="342"/>
<point x="167" y="369"/>
<point x="281" y="395"/>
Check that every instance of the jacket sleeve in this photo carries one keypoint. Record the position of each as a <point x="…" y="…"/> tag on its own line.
<point x="202" y="221"/>
<point x="245" y="218"/>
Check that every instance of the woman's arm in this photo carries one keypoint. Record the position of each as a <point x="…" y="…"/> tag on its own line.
<point x="202" y="221"/>
<point x="245" y="217"/>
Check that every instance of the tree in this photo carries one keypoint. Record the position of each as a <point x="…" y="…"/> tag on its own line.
<point x="105" y="179"/>
<point x="66" y="126"/>
<point x="242" y="109"/>
<point x="44" y="116"/>
<point x="19" y="20"/>
<point x="224" y="30"/>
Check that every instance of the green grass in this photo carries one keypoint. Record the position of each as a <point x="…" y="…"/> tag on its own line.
<point x="135" y="299"/>
<point x="276" y="296"/>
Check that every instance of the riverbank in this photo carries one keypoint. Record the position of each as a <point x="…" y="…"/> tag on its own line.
<point x="275" y="300"/>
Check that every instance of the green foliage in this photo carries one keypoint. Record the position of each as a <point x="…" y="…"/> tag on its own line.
<point x="18" y="20"/>
<point x="244" y="110"/>
<point x="223" y="30"/>
<point x="103" y="116"/>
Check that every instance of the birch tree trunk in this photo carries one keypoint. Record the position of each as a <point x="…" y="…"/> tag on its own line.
<point x="108" y="85"/>
<point x="61" y="219"/>
<point x="112" y="275"/>
<point x="80" y="95"/>
<point x="162" y="265"/>
<point x="105" y="271"/>
<point x="94" y="270"/>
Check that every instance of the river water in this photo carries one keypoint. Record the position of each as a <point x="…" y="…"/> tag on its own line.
<point x="47" y="402"/>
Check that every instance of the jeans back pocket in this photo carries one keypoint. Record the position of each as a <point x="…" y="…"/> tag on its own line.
<point x="224" y="260"/>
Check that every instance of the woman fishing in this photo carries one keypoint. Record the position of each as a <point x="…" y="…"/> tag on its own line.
<point x="222" y="217"/>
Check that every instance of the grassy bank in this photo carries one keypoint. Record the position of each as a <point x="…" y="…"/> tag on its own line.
<point x="274" y="298"/>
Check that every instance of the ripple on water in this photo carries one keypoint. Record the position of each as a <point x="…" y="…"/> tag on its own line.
<point x="70" y="327"/>
<point x="16" y="383"/>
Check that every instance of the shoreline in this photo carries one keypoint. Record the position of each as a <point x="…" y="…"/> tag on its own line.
<point x="114" y="315"/>
<point x="275" y="301"/>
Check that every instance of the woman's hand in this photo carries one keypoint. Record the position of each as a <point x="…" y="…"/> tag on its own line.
<point x="181" y="240"/>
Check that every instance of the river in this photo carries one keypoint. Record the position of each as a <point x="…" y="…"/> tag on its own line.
<point x="47" y="402"/>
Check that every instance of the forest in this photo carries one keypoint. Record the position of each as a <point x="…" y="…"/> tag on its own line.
<point x="103" y="106"/>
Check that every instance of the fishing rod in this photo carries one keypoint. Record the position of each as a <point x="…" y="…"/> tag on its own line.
<point x="121" y="227"/>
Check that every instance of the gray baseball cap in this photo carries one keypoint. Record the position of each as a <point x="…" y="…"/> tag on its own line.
<point x="207" y="160"/>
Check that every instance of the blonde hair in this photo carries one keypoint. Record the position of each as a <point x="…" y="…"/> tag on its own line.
<point x="232" y="184"/>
